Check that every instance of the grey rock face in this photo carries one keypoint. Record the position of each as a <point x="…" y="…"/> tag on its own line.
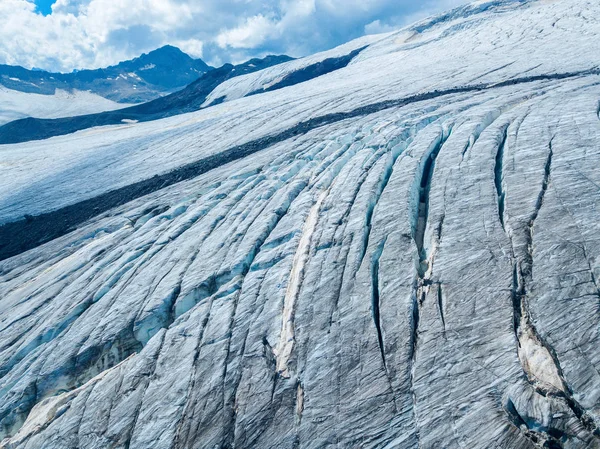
<point x="420" y="275"/>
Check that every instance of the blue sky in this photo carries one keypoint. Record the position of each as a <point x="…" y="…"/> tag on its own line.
<point x="62" y="35"/>
<point x="44" y="7"/>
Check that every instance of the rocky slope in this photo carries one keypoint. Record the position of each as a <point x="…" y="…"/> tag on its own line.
<point x="399" y="253"/>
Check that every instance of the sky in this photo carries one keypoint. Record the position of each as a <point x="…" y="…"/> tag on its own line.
<point x="63" y="35"/>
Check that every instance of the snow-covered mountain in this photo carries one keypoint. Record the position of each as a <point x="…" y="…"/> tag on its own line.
<point x="149" y="76"/>
<point x="399" y="251"/>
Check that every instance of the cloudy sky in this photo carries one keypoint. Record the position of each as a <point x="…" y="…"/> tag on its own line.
<point x="63" y="35"/>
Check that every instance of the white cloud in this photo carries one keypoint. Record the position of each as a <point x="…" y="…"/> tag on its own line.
<point x="192" y="47"/>
<point x="96" y="33"/>
<point x="253" y="33"/>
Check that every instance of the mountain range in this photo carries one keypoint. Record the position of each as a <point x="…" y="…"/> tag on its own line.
<point x="145" y="78"/>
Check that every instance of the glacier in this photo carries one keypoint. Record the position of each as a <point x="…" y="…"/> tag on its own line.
<point x="15" y="105"/>
<point x="399" y="253"/>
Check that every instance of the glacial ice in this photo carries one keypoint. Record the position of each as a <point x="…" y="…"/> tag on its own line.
<point x="418" y="269"/>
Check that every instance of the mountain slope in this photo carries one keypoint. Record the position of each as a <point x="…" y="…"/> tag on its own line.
<point x="141" y="79"/>
<point x="400" y="253"/>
